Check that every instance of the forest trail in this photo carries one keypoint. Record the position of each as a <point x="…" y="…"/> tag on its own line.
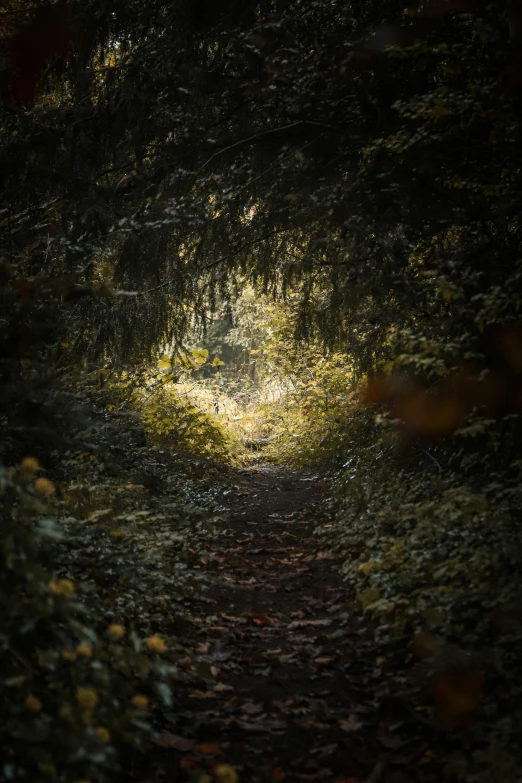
<point x="290" y="686"/>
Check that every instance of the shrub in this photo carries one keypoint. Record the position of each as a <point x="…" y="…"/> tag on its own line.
<point x="70" y="697"/>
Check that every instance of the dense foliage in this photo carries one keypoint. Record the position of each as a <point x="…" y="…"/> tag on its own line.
<point x="359" y="162"/>
<point x="68" y="697"/>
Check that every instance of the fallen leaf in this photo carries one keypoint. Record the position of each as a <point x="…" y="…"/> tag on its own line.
<point x="168" y="740"/>
<point x="386" y="738"/>
<point x="325" y="751"/>
<point x="211" y="748"/>
<point x="251" y="708"/>
<point x="352" y="723"/>
<point x="217" y="655"/>
<point x="221" y="687"/>
<point x="313" y="724"/>
<point x="240" y="564"/>
<point x="288" y="658"/>
<point x="260" y="619"/>
<point x="261" y="671"/>
<point x="304" y="623"/>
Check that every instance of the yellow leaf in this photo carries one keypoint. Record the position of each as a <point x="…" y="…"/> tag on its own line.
<point x="367" y="568"/>
<point x="199" y="354"/>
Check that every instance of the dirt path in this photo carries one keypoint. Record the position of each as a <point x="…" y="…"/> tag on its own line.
<point x="290" y="687"/>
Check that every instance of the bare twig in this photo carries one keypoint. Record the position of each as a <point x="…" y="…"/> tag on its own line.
<point x="434" y="460"/>
<point x="261" y="135"/>
<point x="21" y="660"/>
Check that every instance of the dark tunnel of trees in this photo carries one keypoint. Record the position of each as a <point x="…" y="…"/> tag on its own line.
<point x="323" y="197"/>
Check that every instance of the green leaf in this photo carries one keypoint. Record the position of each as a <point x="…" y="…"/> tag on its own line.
<point x="368" y="596"/>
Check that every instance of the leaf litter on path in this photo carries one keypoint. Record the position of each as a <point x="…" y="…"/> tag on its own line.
<point x="293" y="688"/>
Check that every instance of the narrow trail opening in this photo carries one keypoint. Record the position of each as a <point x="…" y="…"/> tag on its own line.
<point x="291" y="686"/>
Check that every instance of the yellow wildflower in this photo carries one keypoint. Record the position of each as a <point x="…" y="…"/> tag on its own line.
<point x="140" y="702"/>
<point x="31" y="464"/>
<point x="69" y="655"/>
<point x="47" y="768"/>
<point x="44" y="487"/>
<point x="62" y="587"/>
<point x="33" y="704"/>
<point x="65" y="711"/>
<point x="104" y="734"/>
<point x="155" y="644"/>
<point x="116" y="631"/>
<point x="85" y="650"/>
<point x="87" y="698"/>
<point x="224" y="773"/>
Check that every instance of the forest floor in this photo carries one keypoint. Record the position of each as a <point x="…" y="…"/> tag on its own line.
<point x="289" y="683"/>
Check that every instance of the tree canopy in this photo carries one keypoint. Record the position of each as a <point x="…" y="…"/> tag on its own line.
<point x="161" y="148"/>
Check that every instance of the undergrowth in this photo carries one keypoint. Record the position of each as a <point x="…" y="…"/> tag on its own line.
<point x="74" y="685"/>
<point x="432" y="542"/>
<point x="103" y="542"/>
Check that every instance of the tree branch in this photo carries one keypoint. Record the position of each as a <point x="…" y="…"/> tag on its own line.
<point x="218" y="261"/>
<point x="260" y="135"/>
